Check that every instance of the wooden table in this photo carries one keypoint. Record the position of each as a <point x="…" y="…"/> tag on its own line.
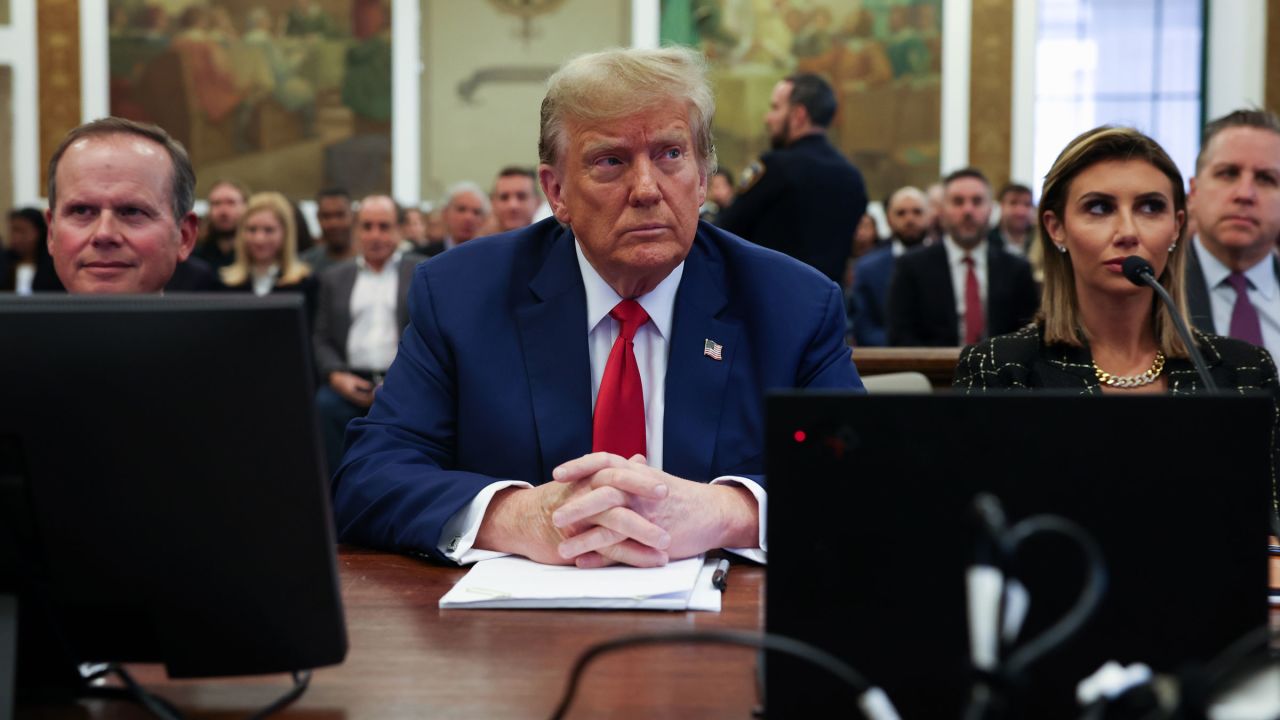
<point x="410" y="659"/>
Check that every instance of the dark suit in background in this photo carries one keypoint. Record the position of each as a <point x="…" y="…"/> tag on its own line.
<point x="869" y="299"/>
<point x="806" y="201"/>
<point x="194" y="275"/>
<point x="922" y="301"/>
<point x="329" y="342"/>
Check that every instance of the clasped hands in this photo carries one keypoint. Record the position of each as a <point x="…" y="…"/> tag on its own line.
<point x="603" y="509"/>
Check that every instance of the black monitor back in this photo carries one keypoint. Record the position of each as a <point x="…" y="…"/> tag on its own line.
<point x="172" y="501"/>
<point x="871" y="530"/>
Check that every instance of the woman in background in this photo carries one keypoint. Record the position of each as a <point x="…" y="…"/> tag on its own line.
<point x="267" y="252"/>
<point x="26" y="266"/>
<point x="266" y="249"/>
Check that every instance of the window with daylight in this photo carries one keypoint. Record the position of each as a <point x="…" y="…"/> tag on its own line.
<point x="1119" y="62"/>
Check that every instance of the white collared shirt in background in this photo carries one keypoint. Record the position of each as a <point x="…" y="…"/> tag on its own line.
<point x="23" y="278"/>
<point x="1264" y="293"/>
<point x="960" y="274"/>
<point x="265" y="283"/>
<point x="375" y="331"/>
<point x="651" y="345"/>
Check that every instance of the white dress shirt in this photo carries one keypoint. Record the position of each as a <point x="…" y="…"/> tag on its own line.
<point x="1264" y="293"/>
<point x="960" y="273"/>
<point x="651" y="349"/>
<point x="24" y="276"/>
<point x="263" y="284"/>
<point x="375" y="332"/>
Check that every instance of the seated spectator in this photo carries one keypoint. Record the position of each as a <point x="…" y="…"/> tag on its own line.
<point x="515" y="198"/>
<point x="266" y="255"/>
<point x="413" y="229"/>
<point x="866" y="237"/>
<point x="962" y="289"/>
<point x="217" y="245"/>
<point x="333" y="211"/>
<point x="465" y="209"/>
<point x="361" y="312"/>
<point x="436" y="233"/>
<point x="908" y="215"/>
<point x="719" y="195"/>
<point x="1016" y="230"/>
<point x="25" y="266"/>
<point x="99" y="168"/>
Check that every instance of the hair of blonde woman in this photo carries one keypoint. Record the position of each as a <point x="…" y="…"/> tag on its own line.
<point x="292" y="270"/>
<point x="1059" y="306"/>
<point x="618" y="83"/>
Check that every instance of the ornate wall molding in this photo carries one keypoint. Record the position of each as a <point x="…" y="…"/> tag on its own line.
<point x="991" y="89"/>
<point x="58" y="33"/>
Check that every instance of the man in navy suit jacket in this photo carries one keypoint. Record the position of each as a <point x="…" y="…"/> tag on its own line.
<point x="481" y="439"/>
<point x="908" y="216"/>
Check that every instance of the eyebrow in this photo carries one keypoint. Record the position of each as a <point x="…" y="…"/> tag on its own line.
<point x="1098" y="195"/>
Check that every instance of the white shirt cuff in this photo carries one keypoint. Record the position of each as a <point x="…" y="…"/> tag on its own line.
<point x="459" y="534"/>
<point x="760" y="554"/>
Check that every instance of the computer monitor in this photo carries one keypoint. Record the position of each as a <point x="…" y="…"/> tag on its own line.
<point x="164" y="495"/>
<point x="872" y="527"/>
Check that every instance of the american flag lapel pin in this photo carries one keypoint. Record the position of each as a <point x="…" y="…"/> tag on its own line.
<point x="713" y="349"/>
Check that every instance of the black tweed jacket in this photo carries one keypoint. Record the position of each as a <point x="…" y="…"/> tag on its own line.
<point x="1021" y="360"/>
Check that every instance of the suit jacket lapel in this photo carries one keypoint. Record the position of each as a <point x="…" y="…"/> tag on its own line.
<point x="553" y="337"/>
<point x="998" y="300"/>
<point x="345" y="286"/>
<point x="1198" y="294"/>
<point x="696" y="383"/>
<point x="947" y="302"/>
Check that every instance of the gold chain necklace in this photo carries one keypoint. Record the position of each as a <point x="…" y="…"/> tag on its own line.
<point x="1131" y="381"/>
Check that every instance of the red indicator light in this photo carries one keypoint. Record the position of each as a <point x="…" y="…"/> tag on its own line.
<point x="800" y="436"/>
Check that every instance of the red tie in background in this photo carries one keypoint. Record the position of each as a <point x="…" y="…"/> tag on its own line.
<point x="618" y="426"/>
<point x="973" y="315"/>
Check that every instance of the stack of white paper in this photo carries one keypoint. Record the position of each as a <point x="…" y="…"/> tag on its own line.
<point x="513" y="582"/>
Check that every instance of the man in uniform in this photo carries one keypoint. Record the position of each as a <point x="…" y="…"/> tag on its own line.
<point x="804" y="198"/>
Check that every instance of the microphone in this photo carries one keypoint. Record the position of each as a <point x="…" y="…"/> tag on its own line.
<point x="1140" y="273"/>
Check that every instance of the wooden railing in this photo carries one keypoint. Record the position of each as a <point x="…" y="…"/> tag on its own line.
<point x="937" y="364"/>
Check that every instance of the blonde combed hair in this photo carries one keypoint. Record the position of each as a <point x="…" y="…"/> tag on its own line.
<point x="292" y="270"/>
<point x="617" y="83"/>
<point x="1059" y="306"/>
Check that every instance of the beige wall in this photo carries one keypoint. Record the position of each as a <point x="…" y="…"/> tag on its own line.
<point x="464" y="140"/>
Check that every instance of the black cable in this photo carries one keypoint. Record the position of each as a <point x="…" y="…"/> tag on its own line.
<point x="1086" y="603"/>
<point x="765" y="641"/>
<point x="301" y="680"/>
<point x="157" y="705"/>
<point x="165" y="710"/>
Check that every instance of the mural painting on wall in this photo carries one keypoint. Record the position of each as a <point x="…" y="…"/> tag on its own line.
<point x="290" y="95"/>
<point x="882" y="57"/>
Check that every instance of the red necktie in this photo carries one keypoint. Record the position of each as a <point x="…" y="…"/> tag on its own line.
<point x="973" y="315"/>
<point x="618" y="426"/>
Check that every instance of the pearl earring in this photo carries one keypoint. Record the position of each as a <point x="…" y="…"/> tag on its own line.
<point x="1062" y="249"/>
<point x="1171" y="247"/>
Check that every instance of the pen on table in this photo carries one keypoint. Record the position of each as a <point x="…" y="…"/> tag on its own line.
<point x="720" y="578"/>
